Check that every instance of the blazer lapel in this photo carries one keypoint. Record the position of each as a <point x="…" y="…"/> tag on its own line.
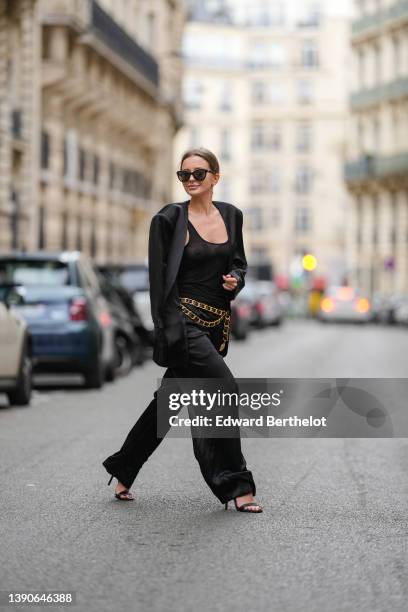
<point x="176" y="247"/>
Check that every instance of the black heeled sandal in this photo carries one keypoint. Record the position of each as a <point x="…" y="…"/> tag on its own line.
<point x="125" y="492"/>
<point x="245" y="507"/>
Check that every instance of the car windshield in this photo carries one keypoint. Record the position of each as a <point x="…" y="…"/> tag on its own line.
<point x="33" y="272"/>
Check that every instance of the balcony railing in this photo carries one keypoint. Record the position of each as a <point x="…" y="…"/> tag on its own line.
<point x="393" y="13"/>
<point x="382" y="93"/>
<point x="112" y="35"/>
<point x="376" y="167"/>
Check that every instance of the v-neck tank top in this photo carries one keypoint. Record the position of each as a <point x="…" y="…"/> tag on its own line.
<point x="202" y="265"/>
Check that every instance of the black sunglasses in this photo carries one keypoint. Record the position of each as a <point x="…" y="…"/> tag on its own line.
<point x="199" y="174"/>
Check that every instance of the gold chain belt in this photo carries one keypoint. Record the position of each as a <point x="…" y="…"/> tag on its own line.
<point x="225" y="315"/>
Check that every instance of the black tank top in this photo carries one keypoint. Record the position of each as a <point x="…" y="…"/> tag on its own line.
<point x="201" y="269"/>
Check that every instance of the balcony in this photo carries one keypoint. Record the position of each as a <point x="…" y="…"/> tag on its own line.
<point x="388" y="92"/>
<point x="373" y="21"/>
<point x="113" y="36"/>
<point x="98" y="29"/>
<point x="372" y="167"/>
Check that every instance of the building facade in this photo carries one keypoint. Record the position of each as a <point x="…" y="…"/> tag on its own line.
<point x="377" y="168"/>
<point x="19" y="121"/>
<point x="110" y="105"/>
<point x="265" y="87"/>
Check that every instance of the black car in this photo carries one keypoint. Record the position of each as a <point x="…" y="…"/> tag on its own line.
<point x="129" y="332"/>
<point x="133" y="282"/>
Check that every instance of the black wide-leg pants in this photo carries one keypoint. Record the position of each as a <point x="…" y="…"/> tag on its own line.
<point x="221" y="461"/>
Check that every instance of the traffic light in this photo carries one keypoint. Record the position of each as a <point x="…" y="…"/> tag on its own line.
<point x="309" y="262"/>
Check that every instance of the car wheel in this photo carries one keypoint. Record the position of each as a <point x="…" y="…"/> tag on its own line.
<point x="125" y="358"/>
<point x="21" y="395"/>
<point x="138" y="356"/>
<point x="241" y="332"/>
<point x="94" y="377"/>
<point x="110" y="372"/>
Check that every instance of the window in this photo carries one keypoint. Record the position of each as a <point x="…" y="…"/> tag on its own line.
<point x="95" y="170"/>
<point x="275" y="138"/>
<point x="308" y="54"/>
<point x="361" y="68"/>
<point x="276" y="93"/>
<point x="377" y="63"/>
<point x="311" y="15"/>
<point x="259" y="254"/>
<point x="45" y="150"/>
<point x="396" y="51"/>
<point x="225" y="147"/>
<point x="377" y="134"/>
<point x="226" y="96"/>
<point x="394" y="219"/>
<point x="258" y="55"/>
<point x="64" y="230"/>
<point x="257" y="137"/>
<point x="304" y="92"/>
<point x="360" y="133"/>
<point x="259" y="94"/>
<point x="375" y="220"/>
<point x="257" y="180"/>
<point x="303" y="183"/>
<point x="78" y="241"/>
<point x="192" y="93"/>
<point x="82" y="164"/>
<point x="277" y="55"/>
<point x="277" y="14"/>
<point x="255" y="218"/>
<point x="266" y="137"/>
<point x="41" y="228"/>
<point x="303" y="137"/>
<point x="111" y="175"/>
<point x="71" y="155"/>
<point x="150" y="26"/>
<point x="302" y="219"/>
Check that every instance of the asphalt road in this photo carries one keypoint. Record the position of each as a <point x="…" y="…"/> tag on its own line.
<point x="333" y="535"/>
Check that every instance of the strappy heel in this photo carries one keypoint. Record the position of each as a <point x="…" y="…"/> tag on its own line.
<point x="126" y="493"/>
<point x="245" y="507"/>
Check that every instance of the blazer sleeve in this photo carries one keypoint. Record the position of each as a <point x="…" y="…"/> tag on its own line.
<point x="239" y="262"/>
<point x="159" y="243"/>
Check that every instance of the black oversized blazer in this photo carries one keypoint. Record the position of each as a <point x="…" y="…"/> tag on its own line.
<point x="167" y="237"/>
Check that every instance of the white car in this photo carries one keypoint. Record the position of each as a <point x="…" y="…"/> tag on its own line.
<point x="15" y="350"/>
<point x="344" y="303"/>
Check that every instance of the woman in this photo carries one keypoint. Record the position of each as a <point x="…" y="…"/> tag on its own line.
<point x="196" y="266"/>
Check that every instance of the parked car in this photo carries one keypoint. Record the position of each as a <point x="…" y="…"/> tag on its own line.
<point x="384" y="307"/>
<point x="68" y="316"/>
<point x="130" y="347"/>
<point x="344" y="303"/>
<point x="15" y="349"/>
<point x="134" y="278"/>
<point x="240" y="317"/>
<point x="266" y="307"/>
<point x="401" y="311"/>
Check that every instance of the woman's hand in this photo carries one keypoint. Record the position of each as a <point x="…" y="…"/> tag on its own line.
<point x="230" y="282"/>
